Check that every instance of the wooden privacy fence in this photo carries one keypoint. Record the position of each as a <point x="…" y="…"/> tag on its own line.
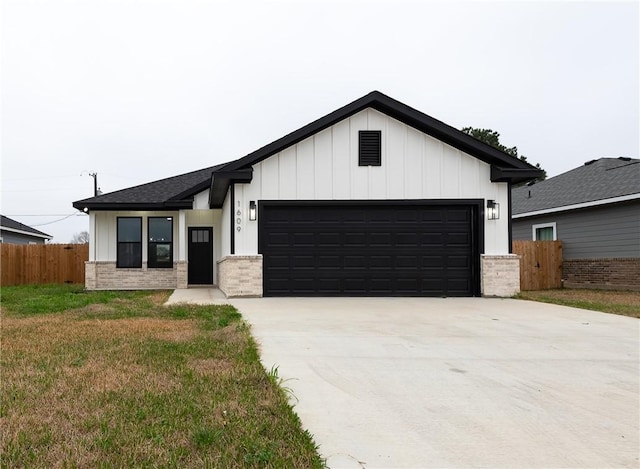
<point x="24" y="264"/>
<point x="540" y="264"/>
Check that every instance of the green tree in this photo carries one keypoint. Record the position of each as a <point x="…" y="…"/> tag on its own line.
<point x="491" y="137"/>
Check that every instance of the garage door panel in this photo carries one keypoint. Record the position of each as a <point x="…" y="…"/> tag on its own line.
<point x="379" y="250"/>
<point x="380" y="239"/>
<point x="355" y="239"/>
<point x="457" y="214"/>
<point x="407" y="262"/>
<point x="463" y="262"/>
<point x="329" y="262"/>
<point x="303" y="262"/>
<point x="329" y="285"/>
<point x="355" y="262"/>
<point x="330" y="239"/>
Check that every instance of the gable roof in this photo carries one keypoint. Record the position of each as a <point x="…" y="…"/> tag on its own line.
<point x="177" y="192"/>
<point x="399" y="111"/>
<point x="8" y="224"/>
<point x="169" y="193"/>
<point x="504" y="167"/>
<point x="596" y="182"/>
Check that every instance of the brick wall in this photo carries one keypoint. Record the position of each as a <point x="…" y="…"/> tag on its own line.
<point x="102" y="275"/>
<point x="240" y="276"/>
<point x="615" y="273"/>
<point x="500" y="275"/>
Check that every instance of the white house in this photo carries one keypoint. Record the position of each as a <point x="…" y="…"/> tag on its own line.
<point x="373" y="199"/>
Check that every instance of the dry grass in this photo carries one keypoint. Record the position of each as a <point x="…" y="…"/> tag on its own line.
<point x="159" y="387"/>
<point x="626" y="303"/>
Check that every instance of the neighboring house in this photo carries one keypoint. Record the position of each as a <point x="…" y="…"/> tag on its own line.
<point x="14" y="232"/>
<point x="373" y="199"/>
<point x="595" y="210"/>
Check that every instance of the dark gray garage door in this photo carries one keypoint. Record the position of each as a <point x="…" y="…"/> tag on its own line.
<point x="344" y="249"/>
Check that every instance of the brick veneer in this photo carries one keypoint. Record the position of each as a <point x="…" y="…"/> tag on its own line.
<point x="240" y="276"/>
<point x="103" y="275"/>
<point x="614" y="273"/>
<point x="500" y="275"/>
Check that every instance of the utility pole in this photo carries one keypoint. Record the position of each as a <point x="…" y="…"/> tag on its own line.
<point x="95" y="183"/>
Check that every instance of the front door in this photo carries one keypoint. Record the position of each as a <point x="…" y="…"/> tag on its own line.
<point x="200" y="256"/>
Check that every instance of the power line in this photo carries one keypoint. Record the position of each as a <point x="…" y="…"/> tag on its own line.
<point x="56" y="221"/>
<point x="38" y="214"/>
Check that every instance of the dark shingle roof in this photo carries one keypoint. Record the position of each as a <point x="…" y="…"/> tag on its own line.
<point x="6" y="222"/>
<point x="173" y="192"/>
<point x="595" y="180"/>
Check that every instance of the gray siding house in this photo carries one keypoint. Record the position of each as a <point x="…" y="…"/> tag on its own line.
<point x="14" y="232"/>
<point x="595" y="211"/>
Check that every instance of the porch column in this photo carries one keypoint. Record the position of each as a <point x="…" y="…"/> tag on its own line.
<point x="181" y="262"/>
<point x="182" y="236"/>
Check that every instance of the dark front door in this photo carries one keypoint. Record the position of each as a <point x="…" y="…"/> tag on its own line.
<point x="347" y="249"/>
<point x="200" y="256"/>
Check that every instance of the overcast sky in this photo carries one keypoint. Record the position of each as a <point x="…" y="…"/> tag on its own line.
<point x="141" y="90"/>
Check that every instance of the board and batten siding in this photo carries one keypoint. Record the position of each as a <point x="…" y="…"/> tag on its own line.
<point x="103" y="242"/>
<point x="607" y="231"/>
<point x="325" y="167"/>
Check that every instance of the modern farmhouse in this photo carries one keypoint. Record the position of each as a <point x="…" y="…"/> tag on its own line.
<point x="373" y="199"/>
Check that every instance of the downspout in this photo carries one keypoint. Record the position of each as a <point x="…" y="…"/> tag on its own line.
<point x="232" y="207"/>
<point x="509" y="219"/>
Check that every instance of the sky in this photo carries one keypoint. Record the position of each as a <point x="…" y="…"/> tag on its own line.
<point x="140" y="90"/>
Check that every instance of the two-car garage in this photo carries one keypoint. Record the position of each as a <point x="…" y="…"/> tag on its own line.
<point x="370" y="248"/>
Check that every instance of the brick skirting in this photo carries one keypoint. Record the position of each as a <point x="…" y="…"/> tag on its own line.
<point x="614" y="273"/>
<point x="103" y="275"/>
<point x="240" y="276"/>
<point x="500" y="275"/>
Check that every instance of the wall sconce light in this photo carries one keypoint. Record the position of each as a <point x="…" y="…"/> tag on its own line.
<point x="493" y="210"/>
<point x="252" y="210"/>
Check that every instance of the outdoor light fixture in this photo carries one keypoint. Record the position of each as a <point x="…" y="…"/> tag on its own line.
<point x="252" y="210"/>
<point x="493" y="210"/>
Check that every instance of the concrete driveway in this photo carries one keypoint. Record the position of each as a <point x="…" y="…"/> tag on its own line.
<point x="456" y="382"/>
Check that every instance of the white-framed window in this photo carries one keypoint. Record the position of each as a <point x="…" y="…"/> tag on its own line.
<point x="544" y="232"/>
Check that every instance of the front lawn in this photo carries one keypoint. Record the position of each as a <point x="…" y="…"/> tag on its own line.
<point x="115" y="379"/>
<point x="626" y="303"/>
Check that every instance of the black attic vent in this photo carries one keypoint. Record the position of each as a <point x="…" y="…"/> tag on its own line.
<point x="370" y="148"/>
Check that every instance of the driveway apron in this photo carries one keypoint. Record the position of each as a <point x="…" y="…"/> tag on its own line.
<point x="443" y="382"/>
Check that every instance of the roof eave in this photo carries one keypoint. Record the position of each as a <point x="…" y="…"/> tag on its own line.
<point x="134" y="206"/>
<point x="40" y="234"/>
<point x="221" y="180"/>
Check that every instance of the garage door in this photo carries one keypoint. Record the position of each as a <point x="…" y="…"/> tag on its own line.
<point x="344" y="249"/>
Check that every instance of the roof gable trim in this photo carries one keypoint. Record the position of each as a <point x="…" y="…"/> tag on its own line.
<point x="400" y="112"/>
<point x="28" y="233"/>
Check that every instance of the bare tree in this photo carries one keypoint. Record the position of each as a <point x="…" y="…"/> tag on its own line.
<point x="80" y="238"/>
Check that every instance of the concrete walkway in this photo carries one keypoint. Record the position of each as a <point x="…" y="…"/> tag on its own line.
<point x="198" y="296"/>
<point x="431" y="382"/>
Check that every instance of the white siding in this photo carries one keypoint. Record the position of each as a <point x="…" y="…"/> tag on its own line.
<point x="225" y="241"/>
<point x="201" y="201"/>
<point x="104" y="232"/>
<point x="414" y="166"/>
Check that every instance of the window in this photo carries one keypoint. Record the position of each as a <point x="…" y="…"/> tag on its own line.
<point x="160" y="242"/>
<point x="129" y="242"/>
<point x="544" y="232"/>
<point x="369" y="148"/>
